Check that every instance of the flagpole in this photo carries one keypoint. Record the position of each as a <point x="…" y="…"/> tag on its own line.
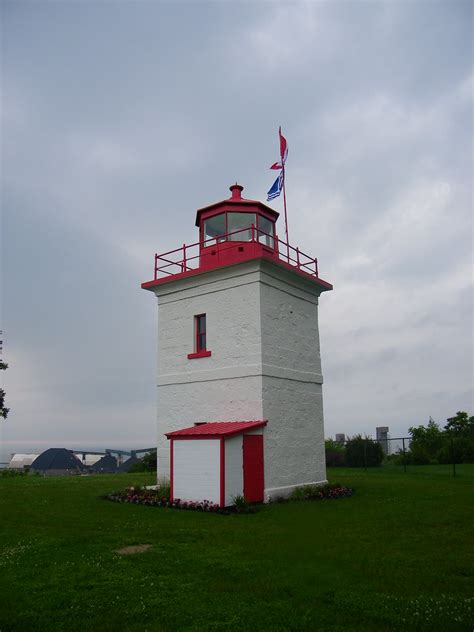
<point x="286" y="216"/>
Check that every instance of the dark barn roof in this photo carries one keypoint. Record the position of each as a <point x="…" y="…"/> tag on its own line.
<point x="107" y="464"/>
<point x="57" y="459"/>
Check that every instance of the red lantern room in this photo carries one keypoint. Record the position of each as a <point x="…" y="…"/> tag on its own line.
<point x="232" y="231"/>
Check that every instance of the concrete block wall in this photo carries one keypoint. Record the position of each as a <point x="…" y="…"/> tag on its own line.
<point x="292" y="383"/>
<point x="262" y="330"/>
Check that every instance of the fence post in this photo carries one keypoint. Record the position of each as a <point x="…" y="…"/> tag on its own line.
<point x="298" y="257"/>
<point x="156" y="266"/>
<point x="404" y="456"/>
<point x="253" y="232"/>
<point x="452" y="456"/>
<point x="184" y="257"/>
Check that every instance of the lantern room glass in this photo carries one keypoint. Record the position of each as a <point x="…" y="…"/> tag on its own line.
<point x="265" y="231"/>
<point x="237" y="226"/>
<point x="237" y="221"/>
<point x="215" y="228"/>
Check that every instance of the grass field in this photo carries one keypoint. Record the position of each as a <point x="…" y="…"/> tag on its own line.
<point x="398" y="555"/>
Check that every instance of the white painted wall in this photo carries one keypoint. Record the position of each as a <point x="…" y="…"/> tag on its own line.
<point x="196" y="466"/>
<point x="226" y="386"/>
<point x="294" y="439"/>
<point x="262" y="329"/>
<point x="292" y="384"/>
<point x="234" y="474"/>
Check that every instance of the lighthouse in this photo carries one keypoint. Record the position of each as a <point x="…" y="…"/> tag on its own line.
<point x="240" y="408"/>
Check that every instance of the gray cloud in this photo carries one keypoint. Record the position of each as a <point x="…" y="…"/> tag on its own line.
<point x="120" y="119"/>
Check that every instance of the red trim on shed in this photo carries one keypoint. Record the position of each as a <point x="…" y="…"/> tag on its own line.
<point x="222" y="477"/>
<point x="215" y="430"/>
<point x="171" y="470"/>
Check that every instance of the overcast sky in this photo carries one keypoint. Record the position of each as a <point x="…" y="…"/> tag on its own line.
<point x="121" y="118"/>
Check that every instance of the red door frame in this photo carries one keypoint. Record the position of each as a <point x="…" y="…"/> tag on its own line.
<point x="253" y="470"/>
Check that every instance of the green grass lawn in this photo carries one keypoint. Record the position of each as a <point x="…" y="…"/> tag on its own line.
<point x="398" y="555"/>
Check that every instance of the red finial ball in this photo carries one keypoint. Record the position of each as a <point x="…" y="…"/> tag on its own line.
<point x="236" y="190"/>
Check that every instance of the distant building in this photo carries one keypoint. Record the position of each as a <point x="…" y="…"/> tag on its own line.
<point x="88" y="459"/>
<point x="106" y="465"/>
<point x="382" y="437"/>
<point x="21" y="461"/>
<point x="126" y="465"/>
<point x="340" y="437"/>
<point x="57" y="462"/>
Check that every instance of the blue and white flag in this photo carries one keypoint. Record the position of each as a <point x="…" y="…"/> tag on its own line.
<point x="276" y="188"/>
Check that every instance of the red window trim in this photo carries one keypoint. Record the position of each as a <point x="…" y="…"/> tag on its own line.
<point x="199" y="352"/>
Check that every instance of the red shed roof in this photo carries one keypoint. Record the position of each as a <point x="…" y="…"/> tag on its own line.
<point x="217" y="429"/>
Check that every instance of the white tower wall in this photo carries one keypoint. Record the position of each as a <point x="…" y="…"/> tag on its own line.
<point x="292" y="391"/>
<point x="226" y="386"/>
<point x="262" y="331"/>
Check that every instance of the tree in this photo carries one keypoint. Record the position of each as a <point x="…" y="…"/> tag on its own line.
<point x="428" y="433"/>
<point x="461" y="424"/>
<point x="453" y="443"/>
<point x="3" y="409"/>
<point x="426" y="441"/>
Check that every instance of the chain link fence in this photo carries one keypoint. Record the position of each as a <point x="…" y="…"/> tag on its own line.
<point x="447" y="450"/>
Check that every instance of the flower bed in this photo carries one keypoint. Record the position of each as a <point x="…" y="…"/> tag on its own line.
<point x="330" y="491"/>
<point x="159" y="497"/>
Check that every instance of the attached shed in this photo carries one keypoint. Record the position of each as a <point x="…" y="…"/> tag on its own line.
<point x="217" y="462"/>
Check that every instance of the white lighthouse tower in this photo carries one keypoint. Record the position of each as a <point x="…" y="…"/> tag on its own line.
<point x="238" y="341"/>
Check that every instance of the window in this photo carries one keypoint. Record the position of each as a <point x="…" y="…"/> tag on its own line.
<point x="232" y="226"/>
<point x="200" y="335"/>
<point x="265" y="231"/>
<point x="214" y="227"/>
<point x="200" y="330"/>
<point x="235" y="221"/>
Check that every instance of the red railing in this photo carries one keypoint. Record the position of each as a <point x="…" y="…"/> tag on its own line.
<point x="190" y="257"/>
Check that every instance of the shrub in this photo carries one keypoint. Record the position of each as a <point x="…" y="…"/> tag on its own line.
<point x="241" y="505"/>
<point x="459" y="449"/>
<point x="335" y="453"/>
<point x="363" y="452"/>
<point x="10" y="473"/>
